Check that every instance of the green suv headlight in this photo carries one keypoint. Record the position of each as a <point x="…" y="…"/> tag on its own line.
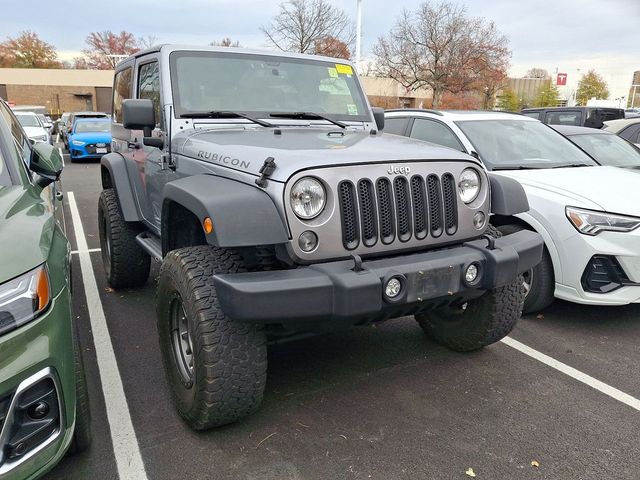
<point x="592" y="222"/>
<point x="307" y="198"/>
<point x="469" y="185"/>
<point x="24" y="298"/>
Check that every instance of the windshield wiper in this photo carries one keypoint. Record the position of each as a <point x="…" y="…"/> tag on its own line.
<point x="307" y="116"/>
<point x="516" y="167"/>
<point x="225" y="114"/>
<point x="572" y="165"/>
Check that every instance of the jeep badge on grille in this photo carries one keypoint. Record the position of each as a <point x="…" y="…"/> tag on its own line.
<point x="398" y="170"/>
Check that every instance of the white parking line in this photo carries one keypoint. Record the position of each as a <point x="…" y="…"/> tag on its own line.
<point x="575" y="374"/>
<point x="90" y="250"/>
<point x="125" y="444"/>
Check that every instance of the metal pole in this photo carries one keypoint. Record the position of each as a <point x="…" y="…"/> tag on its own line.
<point x="358" y="33"/>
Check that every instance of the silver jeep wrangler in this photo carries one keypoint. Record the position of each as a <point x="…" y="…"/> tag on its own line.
<point x="265" y="185"/>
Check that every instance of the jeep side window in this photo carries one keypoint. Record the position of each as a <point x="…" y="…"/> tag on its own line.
<point x="563" y="118"/>
<point x="149" y="87"/>
<point x="435" y="132"/>
<point x="121" y="92"/>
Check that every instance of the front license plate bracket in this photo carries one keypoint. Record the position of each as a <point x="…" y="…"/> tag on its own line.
<point x="438" y="282"/>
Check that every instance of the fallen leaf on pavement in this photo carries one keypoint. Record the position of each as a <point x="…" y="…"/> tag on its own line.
<point x="540" y="316"/>
<point x="470" y="472"/>
<point x="534" y="463"/>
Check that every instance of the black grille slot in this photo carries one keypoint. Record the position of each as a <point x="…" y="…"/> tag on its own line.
<point x="385" y="206"/>
<point x="434" y="194"/>
<point x="403" y="208"/>
<point x="419" y="207"/>
<point x="450" y="206"/>
<point x="367" y="213"/>
<point x="349" y="215"/>
<point x="603" y="275"/>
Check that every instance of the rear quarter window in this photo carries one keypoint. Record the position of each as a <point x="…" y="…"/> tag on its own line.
<point x="563" y="118"/>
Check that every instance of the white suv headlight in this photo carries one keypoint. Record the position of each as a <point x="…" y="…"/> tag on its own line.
<point x="591" y="222"/>
<point x="24" y="298"/>
<point x="307" y="198"/>
<point x="469" y="185"/>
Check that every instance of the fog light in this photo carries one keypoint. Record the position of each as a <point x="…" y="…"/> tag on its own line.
<point x="471" y="273"/>
<point x="393" y="287"/>
<point x="307" y="241"/>
<point x="479" y="220"/>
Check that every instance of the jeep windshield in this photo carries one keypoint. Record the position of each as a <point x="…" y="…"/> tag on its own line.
<point x="520" y="144"/>
<point x="265" y="86"/>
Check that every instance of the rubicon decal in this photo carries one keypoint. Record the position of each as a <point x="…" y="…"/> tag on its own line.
<point x="223" y="159"/>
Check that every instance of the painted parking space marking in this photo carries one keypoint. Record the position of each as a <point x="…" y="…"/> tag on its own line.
<point x="125" y="444"/>
<point x="89" y="250"/>
<point x="573" y="373"/>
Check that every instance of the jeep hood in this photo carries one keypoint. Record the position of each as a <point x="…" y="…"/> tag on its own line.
<point x="297" y="148"/>
<point x="610" y="189"/>
<point x="26" y="231"/>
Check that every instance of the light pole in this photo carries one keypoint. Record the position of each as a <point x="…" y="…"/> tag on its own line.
<point x="358" y="34"/>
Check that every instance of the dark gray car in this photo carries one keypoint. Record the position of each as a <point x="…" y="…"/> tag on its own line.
<point x="264" y="184"/>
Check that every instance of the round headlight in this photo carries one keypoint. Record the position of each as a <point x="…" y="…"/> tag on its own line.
<point x="307" y="198"/>
<point x="469" y="185"/>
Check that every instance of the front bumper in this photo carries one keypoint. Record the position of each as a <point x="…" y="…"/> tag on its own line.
<point x="45" y="344"/>
<point x="334" y="291"/>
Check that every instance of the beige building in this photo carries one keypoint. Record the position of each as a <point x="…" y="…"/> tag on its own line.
<point x="388" y="93"/>
<point x="58" y="90"/>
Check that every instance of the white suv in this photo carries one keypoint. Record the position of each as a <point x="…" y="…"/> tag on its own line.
<point x="587" y="214"/>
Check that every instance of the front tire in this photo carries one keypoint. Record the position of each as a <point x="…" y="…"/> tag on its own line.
<point x="216" y="367"/>
<point x="126" y="264"/>
<point x="539" y="281"/>
<point x="476" y="323"/>
<point x="81" y="439"/>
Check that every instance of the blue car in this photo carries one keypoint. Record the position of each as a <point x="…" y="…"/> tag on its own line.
<point x="90" y="138"/>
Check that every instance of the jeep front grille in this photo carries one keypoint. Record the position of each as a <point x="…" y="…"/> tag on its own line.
<point x="400" y="209"/>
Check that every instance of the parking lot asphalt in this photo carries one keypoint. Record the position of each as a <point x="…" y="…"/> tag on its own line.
<point x="379" y="402"/>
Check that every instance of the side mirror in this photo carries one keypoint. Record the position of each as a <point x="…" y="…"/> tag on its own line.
<point x="46" y="161"/>
<point x="138" y="114"/>
<point x="378" y="116"/>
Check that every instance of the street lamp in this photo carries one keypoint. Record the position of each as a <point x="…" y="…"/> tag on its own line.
<point x="358" y="34"/>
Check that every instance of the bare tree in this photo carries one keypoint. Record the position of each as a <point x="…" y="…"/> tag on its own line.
<point x="302" y="25"/>
<point x="225" y="42"/>
<point x="148" y="41"/>
<point x="439" y="47"/>
<point x="105" y="48"/>
<point x="537" y="72"/>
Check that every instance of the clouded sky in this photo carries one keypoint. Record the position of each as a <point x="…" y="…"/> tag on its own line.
<point x="564" y="34"/>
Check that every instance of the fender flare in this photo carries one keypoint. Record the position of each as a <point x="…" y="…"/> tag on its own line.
<point x="507" y="196"/>
<point x="242" y="215"/>
<point x="115" y="164"/>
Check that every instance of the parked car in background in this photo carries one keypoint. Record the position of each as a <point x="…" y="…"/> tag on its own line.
<point x="72" y="118"/>
<point x="628" y="128"/>
<point x="631" y="112"/>
<point x="46" y="122"/>
<point x="90" y="138"/>
<point x="33" y="126"/>
<point x="579" y="116"/>
<point x="44" y="408"/>
<point x="61" y="127"/>
<point x="588" y="215"/>
<point x="605" y="147"/>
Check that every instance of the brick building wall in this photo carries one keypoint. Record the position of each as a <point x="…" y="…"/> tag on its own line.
<point x="56" y="99"/>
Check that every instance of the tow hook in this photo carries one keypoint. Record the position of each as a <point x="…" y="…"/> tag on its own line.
<point x="491" y="241"/>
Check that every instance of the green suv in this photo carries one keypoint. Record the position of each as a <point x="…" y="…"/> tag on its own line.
<point x="43" y="397"/>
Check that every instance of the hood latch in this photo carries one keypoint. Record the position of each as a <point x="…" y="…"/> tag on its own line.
<point x="266" y="170"/>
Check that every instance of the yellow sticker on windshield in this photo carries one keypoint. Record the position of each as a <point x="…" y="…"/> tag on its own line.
<point x="344" y="69"/>
<point x="333" y="73"/>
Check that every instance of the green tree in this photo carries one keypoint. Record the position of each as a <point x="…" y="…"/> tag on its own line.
<point x="28" y="51"/>
<point x="508" y="101"/>
<point x="547" y="96"/>
<point x="591" y="85"/>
